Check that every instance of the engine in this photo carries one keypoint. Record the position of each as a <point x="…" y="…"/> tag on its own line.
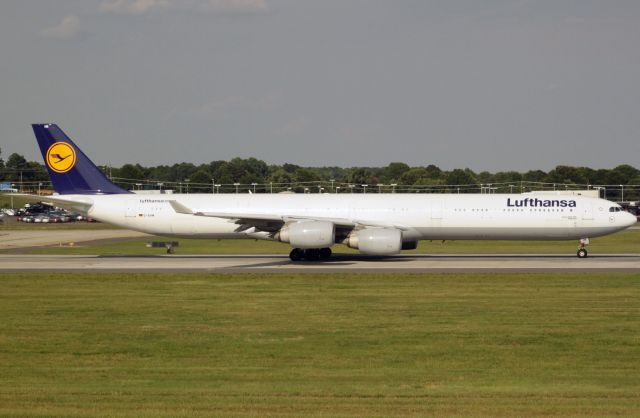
<point x="308" y="234"/>
<point x="379" y="241"/>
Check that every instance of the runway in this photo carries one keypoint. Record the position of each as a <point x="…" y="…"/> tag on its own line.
<point x="337" y="263"/>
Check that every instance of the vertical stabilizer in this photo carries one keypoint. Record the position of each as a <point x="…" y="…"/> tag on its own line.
<point x="71" y="171"/>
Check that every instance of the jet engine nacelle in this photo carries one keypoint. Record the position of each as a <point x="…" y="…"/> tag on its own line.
<point x="308" y="234"/>
<point x="379" y="241"/>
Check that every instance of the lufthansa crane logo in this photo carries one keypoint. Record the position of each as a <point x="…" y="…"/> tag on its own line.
<point x="61" y="157"/>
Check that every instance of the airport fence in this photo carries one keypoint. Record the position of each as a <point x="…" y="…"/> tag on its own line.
<point x="616" y="192"/>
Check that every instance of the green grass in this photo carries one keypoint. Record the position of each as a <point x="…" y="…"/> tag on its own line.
<point x="321" y="345"/>
<point x="623" y="242"/>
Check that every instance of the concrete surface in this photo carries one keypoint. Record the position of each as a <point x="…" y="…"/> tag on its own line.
<point x="37" y="238"/>
<point x="338" y="263"/>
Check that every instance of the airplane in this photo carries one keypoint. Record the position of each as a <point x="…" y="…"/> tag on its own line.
<point x="379" y="224"/>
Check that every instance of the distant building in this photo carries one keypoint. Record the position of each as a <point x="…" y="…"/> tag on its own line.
<point x="6" y="188"/>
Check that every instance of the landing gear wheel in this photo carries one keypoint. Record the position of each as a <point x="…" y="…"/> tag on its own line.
<point x="582" y="249"/>
<point x="296" y="254"/>
<point x="325" y="253"/>
<point x="312" y="254"/>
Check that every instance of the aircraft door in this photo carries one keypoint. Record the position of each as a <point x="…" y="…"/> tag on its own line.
<point x="437" y="209"/>
<point x="132" y="208"/>
<point x="587" y="212"/>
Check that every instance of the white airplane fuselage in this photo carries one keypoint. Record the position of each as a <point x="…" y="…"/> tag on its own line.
<point x="418" y="216"/>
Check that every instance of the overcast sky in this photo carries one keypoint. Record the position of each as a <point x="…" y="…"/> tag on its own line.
<point x="490" y="85"/>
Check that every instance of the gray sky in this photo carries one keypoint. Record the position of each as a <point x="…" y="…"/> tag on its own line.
<point x="491" y="85"/>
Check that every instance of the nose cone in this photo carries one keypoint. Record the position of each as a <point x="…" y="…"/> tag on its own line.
<point x="629" y="219"/>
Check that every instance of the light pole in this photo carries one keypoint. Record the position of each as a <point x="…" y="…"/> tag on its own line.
<point x="236" y="184"/>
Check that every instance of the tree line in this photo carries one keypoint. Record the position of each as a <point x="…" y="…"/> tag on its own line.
<point x="252" y="172"/>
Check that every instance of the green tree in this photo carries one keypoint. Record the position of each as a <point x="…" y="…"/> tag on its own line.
<point x="534" y="175"/>
<point x="130" y="171"/>
<point x="412" y="176"/>
<point x="360" y="175"/>
<point x="290" y="168"/>
<point x="394" y="171"/>
<point x="434" y="172"/>
<point x="200" y="182"/>
<point x="622" y="174"/>
<point x="567" y="174"/>
<point x="461" y="177"/>
<point x="16" y="167"/>
<point x="281" y="178"/>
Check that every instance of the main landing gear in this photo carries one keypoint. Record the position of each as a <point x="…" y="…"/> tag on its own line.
<point x="582" y="250"/>
<point x="310" y="254"/>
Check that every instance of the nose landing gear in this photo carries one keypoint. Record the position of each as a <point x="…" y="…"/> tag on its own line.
<point x="310" y="254"/>
<point x="582" y="250"/>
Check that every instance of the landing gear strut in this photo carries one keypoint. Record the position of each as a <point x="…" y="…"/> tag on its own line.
<point x="582" y="250"/>
<point x="310" y="254"/>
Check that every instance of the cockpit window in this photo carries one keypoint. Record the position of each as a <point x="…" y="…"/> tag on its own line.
<point x="615" y="209"/>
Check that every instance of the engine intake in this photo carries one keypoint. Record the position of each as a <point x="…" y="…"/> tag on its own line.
<point x="308" y="234"/>
<point x="378" y="241"/>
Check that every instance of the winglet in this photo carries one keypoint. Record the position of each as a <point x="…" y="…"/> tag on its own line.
<point x="180" y="208"/>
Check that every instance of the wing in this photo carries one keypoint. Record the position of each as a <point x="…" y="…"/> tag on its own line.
<point x="80" y="204"/>
<point x="273" y="222"/>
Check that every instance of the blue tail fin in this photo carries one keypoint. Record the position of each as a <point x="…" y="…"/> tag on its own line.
<point x="70" y="170"/>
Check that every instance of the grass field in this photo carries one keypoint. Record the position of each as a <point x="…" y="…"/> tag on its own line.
<point x="320" y="345"/>
<point x="623" y="242"/>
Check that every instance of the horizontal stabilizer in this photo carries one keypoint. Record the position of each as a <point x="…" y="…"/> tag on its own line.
<point x="80" y="204"/>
